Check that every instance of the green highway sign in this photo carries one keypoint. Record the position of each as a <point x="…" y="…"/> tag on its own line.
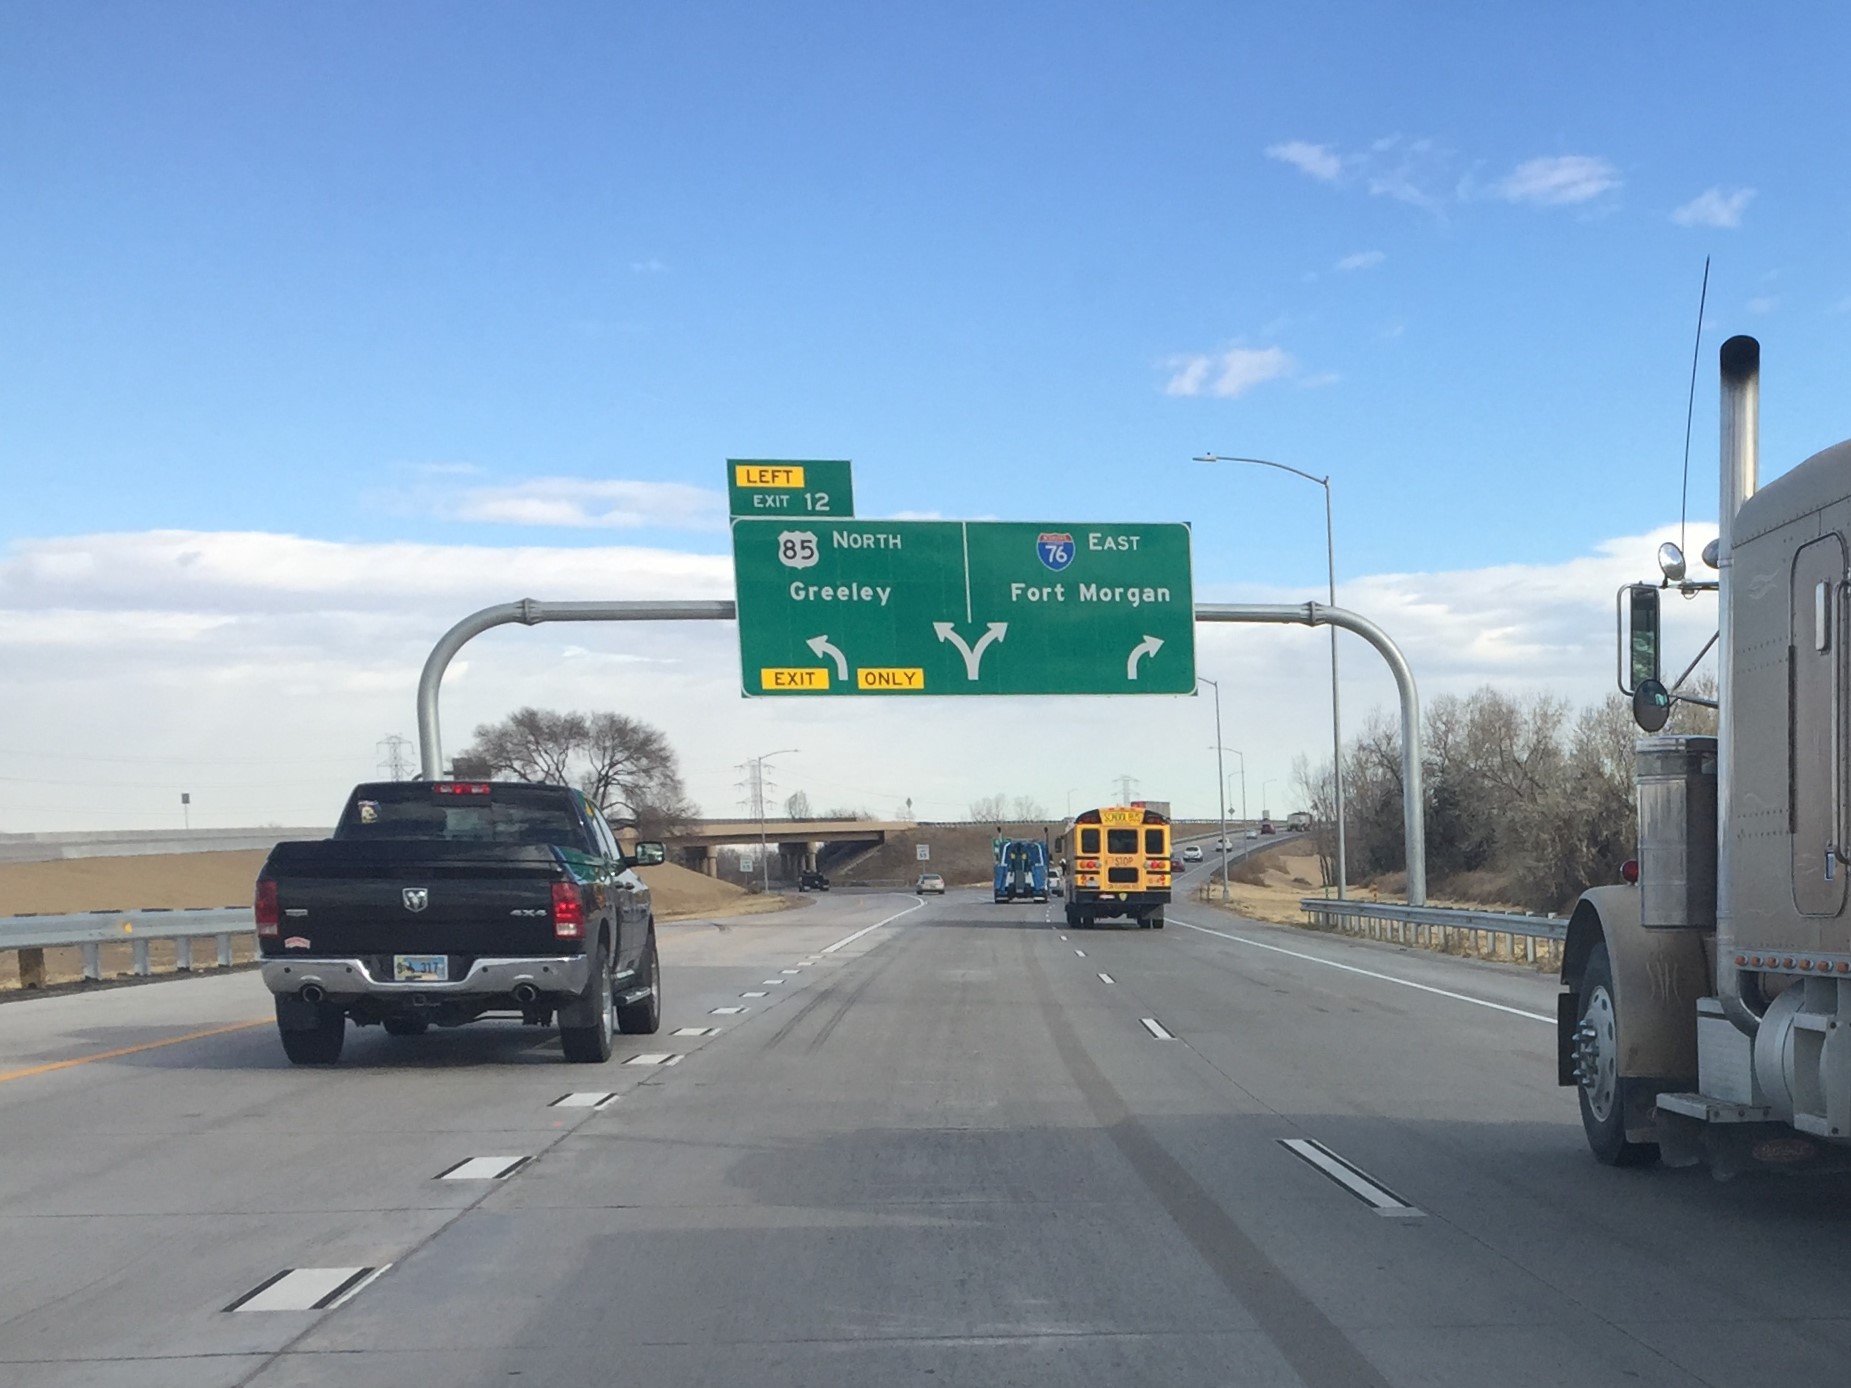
<point x="765" y="487"/>
<point x="963" y="607"/>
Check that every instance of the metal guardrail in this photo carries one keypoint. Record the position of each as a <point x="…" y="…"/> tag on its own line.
<point x="91" y="930"/>
<point x="1433" y="927"/>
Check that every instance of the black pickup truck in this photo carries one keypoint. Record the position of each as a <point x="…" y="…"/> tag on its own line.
<point x="440" y="901"/>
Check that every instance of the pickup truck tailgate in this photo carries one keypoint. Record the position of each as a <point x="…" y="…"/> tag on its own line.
<point x="350" y="899"/>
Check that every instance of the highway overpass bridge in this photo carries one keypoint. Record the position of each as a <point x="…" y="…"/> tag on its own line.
<point x="796" y="841"/>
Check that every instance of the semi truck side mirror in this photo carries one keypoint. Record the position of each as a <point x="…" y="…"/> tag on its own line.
<point x="1651" y="706"/>
<point x="1638" y="621"/>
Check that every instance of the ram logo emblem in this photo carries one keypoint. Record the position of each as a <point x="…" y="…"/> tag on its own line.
<point x="417" y="898"/>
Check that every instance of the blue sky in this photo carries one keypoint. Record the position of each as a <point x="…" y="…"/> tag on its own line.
<point x="423" y="274"/>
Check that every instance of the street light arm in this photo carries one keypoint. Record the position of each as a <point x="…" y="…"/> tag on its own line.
<point x="1323" y="482"/>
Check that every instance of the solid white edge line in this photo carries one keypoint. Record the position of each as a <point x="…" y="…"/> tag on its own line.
<point x="1370" y="973"/>
<point x="1380" y="1198"/>
<point x="1155" y="1028"/>
<point x="918" y="902"/>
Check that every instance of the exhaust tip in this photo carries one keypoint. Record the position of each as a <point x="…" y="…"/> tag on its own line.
<point x="1741" y="358"/>
<point x="525" y="993"/>
<point x="312" y="993"/>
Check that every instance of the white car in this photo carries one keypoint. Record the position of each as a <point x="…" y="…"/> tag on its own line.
<point x="1192" y="853"/>
<point x="930" y="882"/>
<point x="1253" y="833"/>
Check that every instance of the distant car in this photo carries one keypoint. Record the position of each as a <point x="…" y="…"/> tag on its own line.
<point x="1176" y="864"/>
<point x="1192" y="853"/>
<point x="930" y="882"/>
<point x="1253" y="833"/>
<point x="1057" y="882"/>
<point x="812" y="881"/>
<point x="1266" y="827"/>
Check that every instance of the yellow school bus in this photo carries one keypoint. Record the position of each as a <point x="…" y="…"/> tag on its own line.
<point x="1118" y="865"/>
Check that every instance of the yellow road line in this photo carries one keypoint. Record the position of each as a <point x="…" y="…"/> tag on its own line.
<point x="49" y="1066"/>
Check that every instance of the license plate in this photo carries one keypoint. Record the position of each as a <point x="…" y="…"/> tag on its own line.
<point x="421" y="968"/>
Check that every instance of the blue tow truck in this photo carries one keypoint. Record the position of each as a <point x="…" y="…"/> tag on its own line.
<point x="1021" y="870"/>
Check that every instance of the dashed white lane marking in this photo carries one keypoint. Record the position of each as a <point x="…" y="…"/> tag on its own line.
<point x="1371" y="973"/>
<point x="1107" y="978"/>
<point x="484" y="1169"/>
<point x="1063" y="937"/>
<point x="1155" y="1028"/>
<point x="588" y="1099"/>
<point x="752" y="995"/>
<point x="790" y="971"/>
<point x="695" y="1031"/>
<point x="770" y="982"/>
<point x="1353" y="1179"/>
<point x="918" y="902"/>
<point x="654" y="1058"/>
<point x="1081" y="953"/>
<point x="728" y="1011"/>
<point x="306" y="1289"/>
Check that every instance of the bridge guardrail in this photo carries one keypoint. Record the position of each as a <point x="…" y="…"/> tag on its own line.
<point x="91" y="930"/>
<point x="1435" y="927"/>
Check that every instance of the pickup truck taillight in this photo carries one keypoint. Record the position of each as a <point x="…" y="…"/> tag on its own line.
<point x="264" y="908"/>
<point x="568" y="912"/>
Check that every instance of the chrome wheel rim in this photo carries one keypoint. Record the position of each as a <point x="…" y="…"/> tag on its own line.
<point x="1597" y="1054"/>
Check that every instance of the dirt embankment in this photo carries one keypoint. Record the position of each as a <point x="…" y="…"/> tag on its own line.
<point x="175" y="881"/>
<point x="959" y="853"/>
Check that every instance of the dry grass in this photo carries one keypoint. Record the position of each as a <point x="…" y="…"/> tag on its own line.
<point x="178" y="880"/>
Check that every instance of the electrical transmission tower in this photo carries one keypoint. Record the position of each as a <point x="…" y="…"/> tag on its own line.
<point x="394" y="758"/>
<point x="1125" y="783"/>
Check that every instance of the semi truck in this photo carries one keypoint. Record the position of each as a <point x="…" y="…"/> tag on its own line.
<point x="1705" y="1005"/>
<point x="1022" y="870"/>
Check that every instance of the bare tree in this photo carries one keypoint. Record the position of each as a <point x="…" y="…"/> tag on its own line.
<point x="622" y="763"/>
<point x="797" y="805"/>
<point x="991" y="809"/>
<point x="1025" y="808"/>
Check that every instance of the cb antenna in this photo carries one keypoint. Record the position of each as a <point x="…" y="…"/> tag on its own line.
<point x="1690" y="406"/>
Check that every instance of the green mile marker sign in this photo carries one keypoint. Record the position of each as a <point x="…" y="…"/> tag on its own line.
<point x="765" y="487"/>
<point x="963" y="607"/>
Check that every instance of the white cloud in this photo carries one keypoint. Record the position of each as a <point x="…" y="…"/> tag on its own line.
<point x="588" y="503"/>
<point x="651" y="266"/>
<point x="1558" y="180"/>
<point x="1320" y="161"/>
<point x="1362" y="260"/>
<point x="260" y="675"/>
<point x="1715" y="207"/>
<point x="1763" y="303"/>
<point x="1234" y="372"/>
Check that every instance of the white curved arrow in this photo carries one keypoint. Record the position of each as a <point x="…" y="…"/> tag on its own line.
<point x="821" y="645"/>
<point x="973" y="655"/>
<point x="1150" y="645"/>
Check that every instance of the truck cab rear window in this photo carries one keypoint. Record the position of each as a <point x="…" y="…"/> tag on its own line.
<point x="382" y="813"/>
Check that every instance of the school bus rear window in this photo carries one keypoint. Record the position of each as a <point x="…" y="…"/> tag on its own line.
<point x="1121" y="840"/>
<point x="1153" y="842"/>
<point x="1089" y="840"/>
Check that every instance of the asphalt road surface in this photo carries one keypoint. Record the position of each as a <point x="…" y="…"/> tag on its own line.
<point x="960" y="1146"/>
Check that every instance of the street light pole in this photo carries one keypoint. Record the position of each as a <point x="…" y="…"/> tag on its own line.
<point x="1243" y="781"/>
<point x="758" y="794"/>
<point x="1336" y="697"/>
<point x="1221" y="782"/>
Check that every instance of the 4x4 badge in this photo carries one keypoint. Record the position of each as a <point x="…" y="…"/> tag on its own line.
<point x="417" y="898"/>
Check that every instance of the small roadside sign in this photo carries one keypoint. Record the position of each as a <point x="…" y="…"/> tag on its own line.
<point x="770" y="487"/>
<point x="924" y="851"/>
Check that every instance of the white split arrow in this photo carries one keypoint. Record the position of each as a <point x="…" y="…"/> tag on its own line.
<point x="973" y="655"/>
<point x="1150" y="645"/>
<point x="821" y="645"/>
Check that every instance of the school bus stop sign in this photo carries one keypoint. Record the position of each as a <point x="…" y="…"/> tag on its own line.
<point x="963" y="607"/>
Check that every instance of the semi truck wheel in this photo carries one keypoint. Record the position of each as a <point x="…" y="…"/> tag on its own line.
<point x="591" y="1045"/>
<point x="1602" y="1090"/>
<point x="316" y="1045"/>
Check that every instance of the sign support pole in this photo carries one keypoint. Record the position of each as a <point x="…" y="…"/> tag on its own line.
<point x="1312" y="614"/>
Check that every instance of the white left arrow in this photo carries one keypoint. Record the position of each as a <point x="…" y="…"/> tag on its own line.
<point x="1150" y="645"/>
<point x="821" y="645"/>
